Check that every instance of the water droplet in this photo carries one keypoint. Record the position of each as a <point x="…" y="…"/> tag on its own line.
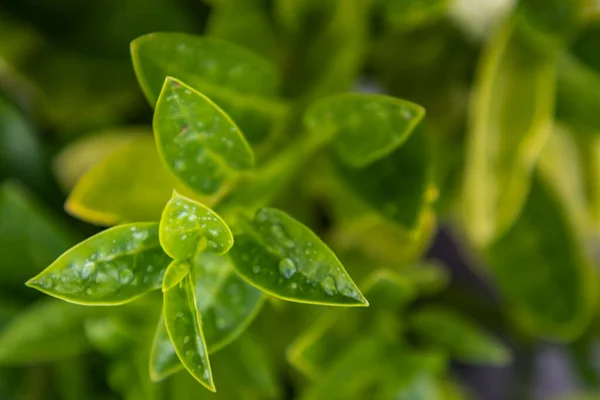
<point x="140" y="235"/>
<point x="294" y="285"/>
<point x="406" y="114"/>
<point x="149" y="268"/>
<point x="287" y="268"/>
<point x="256" y="269"/>
<point x="205" y="375"/>
<point x="192" y="218"/>
<point x="186" y="339"/>
<point x="87" y="270"/>
<point x="328" y="285"/>
<point x="88" y="291"/>
<point x="179" y="165"/>
<point x="47" y="283"/>
<point x="125" y="276"/>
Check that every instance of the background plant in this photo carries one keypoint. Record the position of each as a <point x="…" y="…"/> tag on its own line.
<point x="254" y="177"/>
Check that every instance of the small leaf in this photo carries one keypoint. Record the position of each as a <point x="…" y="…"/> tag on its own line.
<point x="163" y="358"/>
<point x="46" y="331"/>
<point x="113" y="267"/>
<point x="184" y="327"/>
<point x="367" y="127"/>
<point x="106" y="195"/>
<point x="187" y="227"/>
<point x="541" y="269"/>
<point x="237" y="80"/>
<point x="284" y="258"/>
<point x="74" y="160"/>
<point x="175" y="273"/>
<point x="197" y="141"/>
<point x="463" y="339"/>
<point x="226" y="302"/>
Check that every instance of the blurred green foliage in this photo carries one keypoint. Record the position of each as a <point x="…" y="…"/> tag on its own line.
<point x="266" y="184"/>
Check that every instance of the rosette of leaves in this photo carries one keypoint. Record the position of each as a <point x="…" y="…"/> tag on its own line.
<point x="191" y="206"/>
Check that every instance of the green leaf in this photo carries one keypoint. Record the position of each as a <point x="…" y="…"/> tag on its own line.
<point x="74" y="160"/>
<point x="460" y="337"/>
<point x="240" y="82"/>
<point x="188" y="227"/>
<point x="198" y="142"/>
<point x="510" y="115"/>
<point x="184" y="326"/>
<point x="49" y="330"/>
<point x="30" y="237"/>
<point x="541" y="269"/>
<point x="399" y="186"/>
<point x="226" y="302"/>
<point x="163" y="358"/>
<point x="175" y="273"/>
<point x="410" y="14"/>
<point x="284" y="258"/>
<point x="113" y="267"/>
<point x="366" y="127"/>
<point x="106" y="195"/>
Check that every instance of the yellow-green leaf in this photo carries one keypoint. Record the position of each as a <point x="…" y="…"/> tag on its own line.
<point x="184" y="326"/>
<point x="110" y="268"/>
<point x="163" y="358"/>
<point x="284" y="258"/>
<point x="175" y="273"/>
<point x="187" y="227"/>
<point x="197" y="141"/>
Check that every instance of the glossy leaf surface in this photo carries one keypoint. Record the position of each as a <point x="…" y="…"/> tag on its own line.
<point x="365" y="127"/>
<point x="187" y="227"/>
<point x="46" y="331"/>
<point x="198" y="142"/>
<point x="239" y="81"/>
<point x="175" y="273"/>
<point x="112" y="267"/>
<point x="463" y="339"/>
<point x="510" y="115"/>
<point x="284" y="258"/>
<point x="226" y="302"/>
<point x="163" y="358"/>
<point x="184" y="326"/>
<point x="543" y="243"/>
<point x="106" y="195"/>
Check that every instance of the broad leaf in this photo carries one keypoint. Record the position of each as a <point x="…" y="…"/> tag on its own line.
<point x="175" y="273"/>
<point x="187" y="227"/>
<point x="240" y="82"/>
<point x="460" y="337"/>
<point x="509" y="123"/>
<point x="284" y="258"/>
<point x="163" y="358"/>
<point x="541" y="270"/>
<point x="74" y="160"/>
<point x="46" y="331"/>
<point x="399" y="186"/>
<point x="366" y="127"/>
<point x="198" y="142"/>
<point x="226" y="302"/>
<point x="110" y="268"/>
<point x="106" y="195"/>
<point x="184" y="326"/>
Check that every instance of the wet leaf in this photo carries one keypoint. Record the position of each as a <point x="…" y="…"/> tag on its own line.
<point x="106" y="195"/>
<point x="46" y="331"/>
<point x="187" y="227"/>
<point x="541" y="269"/>
<point x="510" y="115"/>
<point x="163" y="358"/>
<point x="284" y="258"/>
<point x="197" y="141"/>
<point x="460" y="337"/>
<point x="184" y="326"/>
<point x="74" y="160"/>
<point x="366" y="127"/>
<point x="227" y="303"/>
<point x="175" y="273"/>
<point x="113" y="267"/>
<point x="237" y="80"/>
